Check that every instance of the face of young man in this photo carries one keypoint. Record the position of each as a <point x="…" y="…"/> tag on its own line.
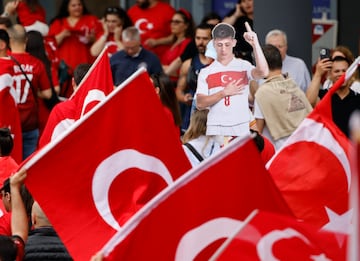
<point x="202" y="38"/>
<point x="224" y="47"/>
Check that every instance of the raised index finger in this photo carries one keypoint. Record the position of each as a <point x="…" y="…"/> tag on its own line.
<point x="248" y="28"/>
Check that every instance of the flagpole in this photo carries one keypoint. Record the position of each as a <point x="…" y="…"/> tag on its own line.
<point x="226" y="243"/>
<point x="350" y="71"/>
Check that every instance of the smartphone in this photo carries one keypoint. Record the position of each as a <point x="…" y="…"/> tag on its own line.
<point x="324" y="53"/>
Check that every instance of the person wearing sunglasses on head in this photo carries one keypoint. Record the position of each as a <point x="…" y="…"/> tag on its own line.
<point x="114" y="21"/>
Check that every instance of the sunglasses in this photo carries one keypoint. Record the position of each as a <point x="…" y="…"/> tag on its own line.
<point x="112" y="10"/>
<point x="176" y="21"/>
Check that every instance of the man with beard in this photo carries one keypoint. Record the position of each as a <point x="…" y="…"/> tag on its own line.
<point x="152" y="18"/>
<point x="186" y="85"/>
<point x="344" y="101"/>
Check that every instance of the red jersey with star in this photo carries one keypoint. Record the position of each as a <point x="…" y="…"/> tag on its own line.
<point x="154" y="23"/>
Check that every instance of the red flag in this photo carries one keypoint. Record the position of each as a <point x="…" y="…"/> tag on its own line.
<point x="9" y="114"/>
<point x="107" y="166"/>
<point x="94" y="87"/>
<point x="312" y="170"/>
<point x="270" y="236"/>
<point x="191" y="217"/>
<point x="224" y="78"/>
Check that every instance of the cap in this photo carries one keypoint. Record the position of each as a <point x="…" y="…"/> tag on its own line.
<point x="223" y="30"/>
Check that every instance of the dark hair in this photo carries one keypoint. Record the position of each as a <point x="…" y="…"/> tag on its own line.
<point x="167" y="95"/>
<point x="210" y="16"/>
<point x="64" y="12"/>
<point x="121" y="13"/>
<point x="341" y="59"/>
<point x="4" y="36"/>
<point x="272" y="56"/>
<point x="25" y="196"/>
<point x="188" y="19"/>
<point x="36" y="47"/>
<point x="6" y="142"/>
<point x="80" y="71"/>
<point x="8" y="249"/>
<point x="258" y="139"/>
<point x="205" y="26"/>
<point x="5" y="21"/>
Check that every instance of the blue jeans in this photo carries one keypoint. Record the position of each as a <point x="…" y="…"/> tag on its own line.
<point x="30" y="142"/>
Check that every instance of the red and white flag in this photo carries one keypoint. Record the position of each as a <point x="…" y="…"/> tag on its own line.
<point x="312" y="170"/>
<point x="110" y="163"/>
<point x="191" y="218"/>
<point x="9" y="114"/>
<point x="270" y="236"/>
<point x="93" y="88"/>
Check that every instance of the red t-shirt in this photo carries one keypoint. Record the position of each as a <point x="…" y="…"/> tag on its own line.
<point x="153" y="23"/>
<point x="5" y="223"/>
<point x="28" y="17"/>
<point x="27" y="105"/>
<point x="75" y="49"/>
<point x="173" y="53"/>
<point x="11" y="118"/>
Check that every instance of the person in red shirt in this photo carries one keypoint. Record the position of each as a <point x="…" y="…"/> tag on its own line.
<point x="30" y="84"/>
<point x="152" y="18"/>
<point x="115" y="20"/>
<point x="12" y="247"/>
<point x="182" y="29"/>
<point x="30" y="14"/>
<point x="75" y="30"/>
<point x="7" y="166"/>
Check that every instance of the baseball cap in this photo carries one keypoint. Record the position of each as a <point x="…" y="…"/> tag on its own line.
<point x="223" y="30"/>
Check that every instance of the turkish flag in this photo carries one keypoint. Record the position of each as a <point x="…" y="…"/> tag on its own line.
<point x="9" y="114"/>
<point x="222" y="79"/>
<point x="194" y="215"/>
<point x="110" y="163"/>
<point x="94" y="87"/>
<point x="271" y="236"/>
<point x="312" y="169"/>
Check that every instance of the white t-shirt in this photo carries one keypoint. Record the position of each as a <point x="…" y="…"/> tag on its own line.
<point x="205" y="146"/>
<point x="229" y="116"/>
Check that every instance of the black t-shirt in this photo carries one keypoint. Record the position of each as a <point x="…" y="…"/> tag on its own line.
<point x="189" y="52"/>
<point x="242" y="49"/>
<point x="343" y="108"/>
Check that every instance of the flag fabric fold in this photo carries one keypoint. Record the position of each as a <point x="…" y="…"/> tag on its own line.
<point x="271" y="236"/>
<point x="312" y="169"/>
<point x="93" y="88"/>
<point x="108" y="164"/>
<point x="190" y="218"/>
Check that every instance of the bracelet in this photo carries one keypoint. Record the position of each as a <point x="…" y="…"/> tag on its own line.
<point x="5" y="14"/>
<point x="104" y="37"/>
